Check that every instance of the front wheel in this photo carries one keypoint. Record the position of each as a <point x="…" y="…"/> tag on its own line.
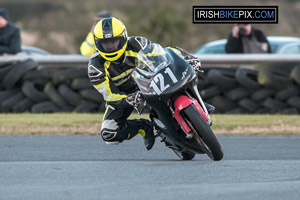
<point x="201" y="129"/>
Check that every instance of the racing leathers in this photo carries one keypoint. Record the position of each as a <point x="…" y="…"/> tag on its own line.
<point x="114" y="81"/>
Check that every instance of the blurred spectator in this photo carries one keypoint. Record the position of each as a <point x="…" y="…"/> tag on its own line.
<point x="246" y="39"/>
<point x="87" y="47"/>
<point x="10" y="39"/>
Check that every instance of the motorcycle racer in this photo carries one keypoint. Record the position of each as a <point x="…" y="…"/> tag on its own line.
<point x="109" y="71"/>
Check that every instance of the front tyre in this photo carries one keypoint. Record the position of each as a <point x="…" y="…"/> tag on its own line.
<point x="194" y="119"/>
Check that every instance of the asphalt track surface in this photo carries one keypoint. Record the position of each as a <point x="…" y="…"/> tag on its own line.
<point x="83" y="168"/>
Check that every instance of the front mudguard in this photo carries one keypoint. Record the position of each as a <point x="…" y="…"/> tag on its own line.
<point x="181" y="103"/>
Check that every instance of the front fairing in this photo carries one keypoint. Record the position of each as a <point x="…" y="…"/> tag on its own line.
<point x="160" y="80"/>
<point x="161" y="76"/>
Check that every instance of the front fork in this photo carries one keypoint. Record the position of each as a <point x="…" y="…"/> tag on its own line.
<point x="200" y="100"/>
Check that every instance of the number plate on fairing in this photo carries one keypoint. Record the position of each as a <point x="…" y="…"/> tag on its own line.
<point x="161" y="81"/>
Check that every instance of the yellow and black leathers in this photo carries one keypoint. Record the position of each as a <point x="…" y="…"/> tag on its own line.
<point x="114" y="81"/>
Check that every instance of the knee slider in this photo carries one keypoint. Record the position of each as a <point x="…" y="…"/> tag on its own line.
<point x="109" y="132"/>
<point x="108" y="135"/>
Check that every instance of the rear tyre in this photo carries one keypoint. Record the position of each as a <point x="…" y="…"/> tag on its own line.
<point x="209" y="139"/>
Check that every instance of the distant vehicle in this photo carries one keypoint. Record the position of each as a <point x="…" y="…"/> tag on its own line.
<point x="279" y="45"/>
<point x="290" y="48"/>
<point x="30" y="50"/>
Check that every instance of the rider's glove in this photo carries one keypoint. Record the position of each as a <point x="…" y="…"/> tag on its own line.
<point x="194" y="61"/>
<point x="135" y="99"/>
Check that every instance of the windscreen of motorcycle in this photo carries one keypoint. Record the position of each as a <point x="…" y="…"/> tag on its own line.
<point x="152" y="58"/>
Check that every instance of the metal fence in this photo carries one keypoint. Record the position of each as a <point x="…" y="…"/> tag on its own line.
<point x="207" y="60"/>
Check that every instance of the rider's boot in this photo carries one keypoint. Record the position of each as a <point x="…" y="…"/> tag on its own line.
<point x="145" y="129"/>
<point x="210" y="108"/>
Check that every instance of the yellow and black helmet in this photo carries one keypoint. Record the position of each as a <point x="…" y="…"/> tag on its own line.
<point x="110" y="38"/>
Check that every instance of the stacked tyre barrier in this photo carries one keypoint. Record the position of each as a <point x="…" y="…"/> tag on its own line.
<point x="263" y="90"/>
<point x="27" y="87"/>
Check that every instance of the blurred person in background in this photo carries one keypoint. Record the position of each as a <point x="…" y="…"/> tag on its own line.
<point x="10" y="38"/>
<point x="87" y="47"/>
<point x="110" y="69"/>
<point x="246" y="39"/>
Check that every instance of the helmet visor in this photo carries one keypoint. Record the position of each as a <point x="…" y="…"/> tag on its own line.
<point x="110" y="45"/>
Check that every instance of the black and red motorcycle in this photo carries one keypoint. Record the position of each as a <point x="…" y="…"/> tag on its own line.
<point x="169" y="85"/>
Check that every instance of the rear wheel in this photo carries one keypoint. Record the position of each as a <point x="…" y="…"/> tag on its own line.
<point x="202" y="133"/>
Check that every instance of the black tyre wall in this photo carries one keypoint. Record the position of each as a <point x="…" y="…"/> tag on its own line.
<point x="247" y="78"/>
<point x="45" y="107"/>
<point x="69" y="74"/>
<point x="91" y="94"/>
<point x="274" y="79"/>
<point x="29" y="89"/>
<point x="52" y="93"/>
<point x="17" y="71"/>
<point x="230" y="90"/>
<point x="69" y="95"/>
<point x="23" y="106"/>
<point x="81" y="83"/>
<point x="87" y="106"/>
<point x="9" y="103"/>
<point x="222" y="78"/>
<point x="295" y="74"/>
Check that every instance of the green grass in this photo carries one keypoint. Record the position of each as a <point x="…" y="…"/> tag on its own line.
<point x="256" y="124"/>
<point x="90" y="124"/>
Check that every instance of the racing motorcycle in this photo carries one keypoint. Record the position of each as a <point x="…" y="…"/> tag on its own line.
<point x="169" y="86"/>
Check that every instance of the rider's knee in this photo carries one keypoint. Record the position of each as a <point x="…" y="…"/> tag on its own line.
<point x="110" y="132"/>
<point x="110" y="137"/>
